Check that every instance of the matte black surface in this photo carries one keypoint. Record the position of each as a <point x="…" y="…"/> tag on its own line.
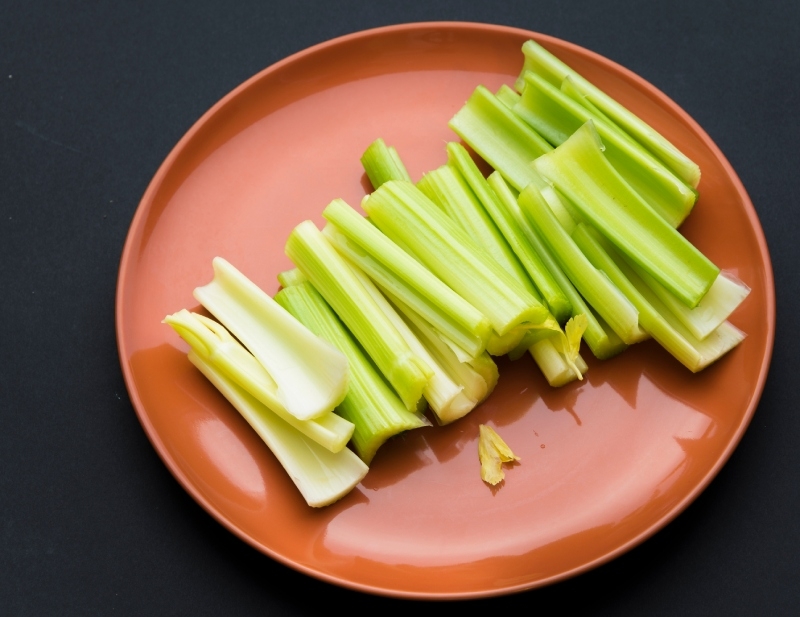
<point x="93" y="95"/>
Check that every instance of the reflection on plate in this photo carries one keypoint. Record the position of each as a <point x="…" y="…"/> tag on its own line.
<point x="605" y="462"/>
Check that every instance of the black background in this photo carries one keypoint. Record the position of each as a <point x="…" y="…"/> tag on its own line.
<point x="93" y="95"/>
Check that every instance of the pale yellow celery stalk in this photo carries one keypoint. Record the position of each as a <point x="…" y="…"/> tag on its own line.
<point x="553" y="364"/>
<point x="311" y="375"/>
<point x="321" y="476"/>
<point x="215" y="345"/>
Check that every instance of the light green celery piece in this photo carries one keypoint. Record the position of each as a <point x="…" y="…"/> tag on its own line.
<point x="291" y="277"/>
<point x="382" y="163"/>
<point x="216" y="346"/>
<point x="395" y="270"/>
<point x="555" y="116"/>
<point x="499" y="136"/>
<point x="448" y="188"/>
<point x="321" y="476"/>
<point x="598" y="290"/>
<point x="335" y="280"/>
<point x="478" y="381"/>
<point x="371" y="404"/>
<point x="507" y="96"/>
<point x="580" y="171"/>
<point x="403" y="212"/>
<point x="553" y="365"/>
<point x="603" y="342"/>
<point x="540" y="61"/>
<point x="444" y="395"/>
<point x="311" y="376"/>
<point x="549" y="290"/>
<point x="653" y="314"/>
<point x="501" y="345"/>
<point x="725" y="295"/>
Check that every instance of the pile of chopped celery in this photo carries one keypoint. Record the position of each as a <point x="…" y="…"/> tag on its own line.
<point x="389" y="316"/>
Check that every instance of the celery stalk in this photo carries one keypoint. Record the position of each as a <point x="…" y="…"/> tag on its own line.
<point x="552" y="294"/>
<point x="382" y="163"/>
<point x="603" y="342"/>
<point x="444" y="395"/>
<point x="723" y="297"/>
<point x="555" y="116"/>
<point x="215" y="345"/>
<point x="478" y="377"/>
<point x="311" y="376"/>
<point x="653" y="314"/>
<point x="402" y="211"/>
<point x="507" y="96"/>
<point x="598" y="290"/>
<point x="580" y="171"/>
<point x="371" y="404"/>
<point x="395" y="270"/>
<point x="321" y="476"/>
<point x="553" y="366"/>
<point x="499" y="136"/>
<point x="448" y="188"/>
<point x="291" y="277"/>
<point x="542" y="62"/>
<point x="335" y="280"/>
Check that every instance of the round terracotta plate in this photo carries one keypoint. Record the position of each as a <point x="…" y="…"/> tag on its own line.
<point x="605" y="462"/>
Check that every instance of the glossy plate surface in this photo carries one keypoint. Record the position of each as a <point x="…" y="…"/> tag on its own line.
<point x="605" y="462"/>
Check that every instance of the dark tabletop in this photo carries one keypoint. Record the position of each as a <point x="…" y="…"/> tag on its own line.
<point x="93" y="96"/>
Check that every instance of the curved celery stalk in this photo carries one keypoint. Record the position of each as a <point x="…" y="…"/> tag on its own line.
<point x="653" y="314"/>
<point x="542" y="62"/>
<point x="335" y="280"/>
<point x="448" y="188"/>
<point x="395" y="270"/>
<point x="579" y="170"/>
<point x="402" y="211"/>
<point x="598" y="290"/>
<point x="499" y="136"/>
<point x="215" y="345"/>
<point x="371" y="405"/>
<point x="555" y="116"/>
<point x="382" y="163"/>
<point x="603" y="342"/>
<point x="321" y="476"/>
<point x="311" y="376"/>
<point x="552" y="294"/>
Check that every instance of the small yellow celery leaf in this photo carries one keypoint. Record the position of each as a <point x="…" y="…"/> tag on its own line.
<point x="493" y="452"/>
<point x="570" y="341"/>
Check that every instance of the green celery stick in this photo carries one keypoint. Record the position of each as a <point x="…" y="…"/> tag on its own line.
<point x="395" y="270"/>
<point x="603" y="342"/>
<point x="653" y="315"/>
<point x="335" y="280"/>
<point x="321" y="476"/>
<point x="291" y="277"/>
<point x="581" y="172"/>
<point x="445" y="396"/>
<point x="555" y="116"/>
<point x="448" y="188"/>
<point x="549" y="290"/>
<point x="371" y="404"/>
<point x="598" y="290"/>
<point x="217" y="347"/>
<point x="540" y="61"/>
<point x="553" y="366"/>
<point x="477" y="384"/>
<point x="723" y="297"/>
<point x="499" y="136"/>
<point x="403" y="212"/>
<point x="507" y="96"/>
<point x="382" y="163"/>
<point x="310" y="374"/>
